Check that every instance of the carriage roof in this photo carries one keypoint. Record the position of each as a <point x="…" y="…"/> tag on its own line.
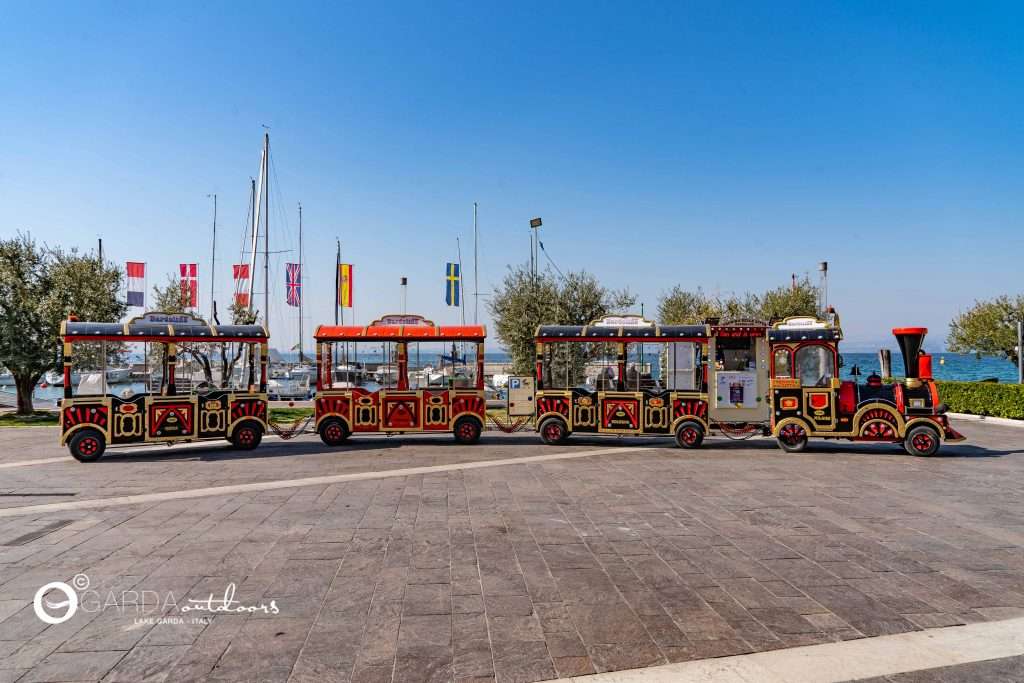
<point x="149" y="330"/>
<point x="400" y="333"/>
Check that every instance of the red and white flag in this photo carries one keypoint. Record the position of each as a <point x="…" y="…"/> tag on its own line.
<point x="240" y="273"/>
<point x="189" y="284"/>
<point x="136" y="272"/>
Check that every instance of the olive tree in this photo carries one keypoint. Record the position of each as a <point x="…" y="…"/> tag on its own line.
<point x="41" y="286"/>
<point x="525" y="300"/>
<point x="988" y="327"/>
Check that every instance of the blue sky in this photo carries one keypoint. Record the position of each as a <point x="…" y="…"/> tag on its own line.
<point x="723" y="145"/>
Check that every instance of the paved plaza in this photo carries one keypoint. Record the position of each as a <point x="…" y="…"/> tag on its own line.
<point x="413" y="559"/>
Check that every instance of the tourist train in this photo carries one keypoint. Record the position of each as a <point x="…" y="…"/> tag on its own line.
<point x="737" y="378"/>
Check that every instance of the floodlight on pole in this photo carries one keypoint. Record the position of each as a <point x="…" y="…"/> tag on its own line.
<point x="535" y="224"/>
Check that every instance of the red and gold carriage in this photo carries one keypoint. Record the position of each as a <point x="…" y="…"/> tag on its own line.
<point x="162" y="406"/>
<point x="448" y="398"/>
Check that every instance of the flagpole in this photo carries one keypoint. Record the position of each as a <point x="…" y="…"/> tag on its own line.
<point x="301" y="359"/>
<point x="337" y="299"/>
<point x="462" y="293"/>
<point x="213" y="256"/>
<point x="476" y="270"/>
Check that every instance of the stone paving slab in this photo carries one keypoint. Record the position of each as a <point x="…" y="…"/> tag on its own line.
<point x="517" y="572"/>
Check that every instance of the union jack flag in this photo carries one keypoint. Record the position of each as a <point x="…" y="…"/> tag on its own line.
<point x="293" y="283"/>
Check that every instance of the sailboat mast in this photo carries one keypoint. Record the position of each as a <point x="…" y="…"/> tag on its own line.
<point x="254" y="244"/>
<point x="266" y="230"/>
<point x="301" y="359"/>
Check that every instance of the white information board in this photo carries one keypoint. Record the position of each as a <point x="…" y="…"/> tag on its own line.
<point x="736" y="389"/>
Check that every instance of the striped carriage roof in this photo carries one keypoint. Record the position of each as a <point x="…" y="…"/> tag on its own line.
<point x="609" y="333"/>
<point x="150" y="331"/>
<point x="810" y="334"/>
<point x="417" y="332"/>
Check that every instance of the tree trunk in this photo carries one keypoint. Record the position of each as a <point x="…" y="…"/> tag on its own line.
<point x="25" y="385"/>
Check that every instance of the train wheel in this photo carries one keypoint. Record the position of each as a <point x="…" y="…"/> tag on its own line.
<point x="553" y="431"/>
<point x="247" y="436"/>
<point x="792" y="438"/>
<point x="922" y="440"/>
<point x="87" y="445"/>
<point x="333" y="432"/>
<point x="467" y="430"/>
<point x="689" y="435"/>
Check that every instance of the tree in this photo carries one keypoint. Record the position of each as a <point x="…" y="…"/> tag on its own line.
<point x="524" y="300"/>
<point x="679" y="306"/>
<point x="988" y="327"/>
<point x="39" y="288"/>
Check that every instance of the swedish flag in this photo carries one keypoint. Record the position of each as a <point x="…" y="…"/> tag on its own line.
<point x="452" y="284"/>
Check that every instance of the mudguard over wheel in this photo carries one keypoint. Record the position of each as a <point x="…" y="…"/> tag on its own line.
<point x="689" y="434"/>
<point x="553" y="431"/>
<point x="247" y="436"/>
<point x="333" y="431"/>
<point x="87" y="445"/>
<point x="467" y="430"/>
<point x="922" y="440"/>
<point x="792" y="437"/>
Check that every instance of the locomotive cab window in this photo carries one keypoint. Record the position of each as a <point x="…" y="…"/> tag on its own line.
<point x="783" y="367"/>
<point x="815" y="365"/>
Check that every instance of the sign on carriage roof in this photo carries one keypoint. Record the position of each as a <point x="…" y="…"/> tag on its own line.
<point x="623" y="321"/>
<point x="402" y="319"/>
<point x="801" y="323"/>
<point x="168" y="318"/>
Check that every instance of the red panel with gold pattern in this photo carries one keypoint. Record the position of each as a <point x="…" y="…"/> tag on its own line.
<point x="401" y="412"/>
<point x="689" y="406"/>
<point x="85" y="414"/>
<point x="171" y="419"/>
<point x="469" y="403"/>
<point x="248" y="408"/>
<point x="620" y="413"/>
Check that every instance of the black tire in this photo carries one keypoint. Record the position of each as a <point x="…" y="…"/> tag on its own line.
<point x="247" y="436"/>
<point x="922" y="440"/>
<point x="689" y="434"/>
<point x="793" y="437"/>
<point x="87" y="445"/>
<point x="333" y="431"/>
<point x="467" y="430"/>
<point x="553" y="431"/>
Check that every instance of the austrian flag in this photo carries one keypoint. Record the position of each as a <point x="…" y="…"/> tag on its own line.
<point x="136" y="272"/>
<point x="240" y="273"/>
<point x="189" y="285"/>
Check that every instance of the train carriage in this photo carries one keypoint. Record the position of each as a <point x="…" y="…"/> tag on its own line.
<point x="567" y="396"/>
<point x="449" y="398"/>
<point x="165" y="410"/>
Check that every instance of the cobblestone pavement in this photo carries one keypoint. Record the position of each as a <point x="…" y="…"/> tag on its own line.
<point x="515" y="572"/>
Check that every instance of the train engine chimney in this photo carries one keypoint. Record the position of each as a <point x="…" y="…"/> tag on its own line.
<point x="910" y="340"/>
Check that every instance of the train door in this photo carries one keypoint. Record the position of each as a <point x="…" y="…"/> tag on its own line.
<point x="738" y="376"/>
<point x="815" y="367"/>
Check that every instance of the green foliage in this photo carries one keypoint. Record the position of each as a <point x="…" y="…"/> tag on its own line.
<point x="39" y="288"/>
<point x="36" y="419"/>
<point x="524" y="301"/>
<point x="988" y="327"/>
<point x="289" y="415"/>
<point x="983" y="398"/>
<point x="679" y="306"/>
